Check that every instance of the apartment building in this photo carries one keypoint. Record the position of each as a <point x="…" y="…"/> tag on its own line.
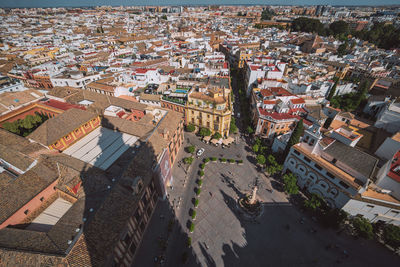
<point x="343" y="175"/>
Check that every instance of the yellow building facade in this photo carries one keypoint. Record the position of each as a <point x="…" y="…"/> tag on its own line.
<point x="211" y="109"/>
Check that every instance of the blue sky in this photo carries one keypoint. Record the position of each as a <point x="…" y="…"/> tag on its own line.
<point x="51" y="3"/>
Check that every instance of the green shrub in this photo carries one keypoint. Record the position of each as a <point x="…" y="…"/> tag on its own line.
<point x="202" y="166"/>
<point x="198" y="191"/>
<point x="391" y="235"/>
<point x="231" y="160"/>
<point x="206" y="160"/>
<point x="240" y="161"/>
<point x="213" y="159"/>
<point x="290" y="184"/>
<point x="363" y="227"/>
<point x="190" y="128"/>
<point x="217" y="135"/>
<point x="191" y="228"/>
<point x="188" y="160"/>
<point x="190" y="149"/>
<point x="200" y="182"/>
<point x="205" y="132"/>
<point x="193" y="214"/>
<point x="223" y="159"/>
<point x="201" y="173"/>
<point x="196" y="202"/>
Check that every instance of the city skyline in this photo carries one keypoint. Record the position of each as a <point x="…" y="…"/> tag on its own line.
<point x="89" y="3"/>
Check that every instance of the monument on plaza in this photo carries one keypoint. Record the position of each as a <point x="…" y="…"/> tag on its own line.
<point x="249" y="203"/>
<point x="253" y="196"/>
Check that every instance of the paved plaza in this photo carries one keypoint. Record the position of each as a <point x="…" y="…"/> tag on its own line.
<point x="223" y="237"/>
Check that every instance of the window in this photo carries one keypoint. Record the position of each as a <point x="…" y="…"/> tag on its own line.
<point x="318" y="167"/>
<point x="312" y="142"/>
<point x="68" y="137"/>
<point x="127" y="238"/>
<point x="296" y="152"/>
<point x="334" y="161"/>
<point x="26" y="212"/>
<point x="42" y="199"/>
<point x="86" y="125"/>
<point x="148" y="211"/>
<point x="323" y="185"/>
<point x="137" y="216"/>
<point x="330" y="175"/>
<point x="307" y="159"/>
<point x="142" y="226"/>
<point x="77" y="131"/>
<point x="344" y="184"/>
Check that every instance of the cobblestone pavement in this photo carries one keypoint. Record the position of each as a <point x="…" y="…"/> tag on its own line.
<point x="222" y="237"/>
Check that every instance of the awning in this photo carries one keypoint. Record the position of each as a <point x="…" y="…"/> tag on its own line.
<point x="207" y="138"/>
<point x="216" y="141"/>
<point x="228" y="141"/>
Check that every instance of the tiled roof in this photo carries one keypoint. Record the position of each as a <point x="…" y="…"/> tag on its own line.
<point x="57" y="127"/>
<point x="26" y="186"/>
<point x="354" y="158"/>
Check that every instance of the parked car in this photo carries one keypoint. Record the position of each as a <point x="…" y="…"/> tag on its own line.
<point x="200" y="152"/>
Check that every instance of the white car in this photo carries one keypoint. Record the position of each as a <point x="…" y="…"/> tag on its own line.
<point x="200" y="152"/>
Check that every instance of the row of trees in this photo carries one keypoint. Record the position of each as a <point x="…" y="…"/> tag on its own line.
<point x="25" y="126"/>
<point x="384" y="36"/>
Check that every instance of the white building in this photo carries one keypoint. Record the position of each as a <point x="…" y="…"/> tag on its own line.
<point x="74" y="79"/>
<point x="342" y="175"/>
<point x="389" y="117"/>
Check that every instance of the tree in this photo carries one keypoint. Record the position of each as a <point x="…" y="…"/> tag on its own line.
<point x="339" y="27"/>
<point x="217" y="135"/>
<point x="232" y="126"/>
<point x="255" y="148"/>
<point x="190" y="128"/>
<point x="363" y="227"/>
<point x="342" y="49"/>
<point x="204" y="132"/>
<point x="295" y="137"/>
<point x="391" y="234"/>
<point x="190" y="149"/>
<point x="314" y="202"/>
<point x="249" y="130"/>
<point x="272" y="166"/>
<point x="290" y="183"/>
<point x="304" y="24"/>
<point x="12" y="127"/>
<point x="267" y="14"/>
<point x="261" y="159"/>
<point x="334" y="218"/>
<point x="361" y="94"/>
<point x="188" y="160"/>
<point x="333" y="90"/>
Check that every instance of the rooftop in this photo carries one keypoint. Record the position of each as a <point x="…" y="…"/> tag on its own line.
<point x="358" y="160"/>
